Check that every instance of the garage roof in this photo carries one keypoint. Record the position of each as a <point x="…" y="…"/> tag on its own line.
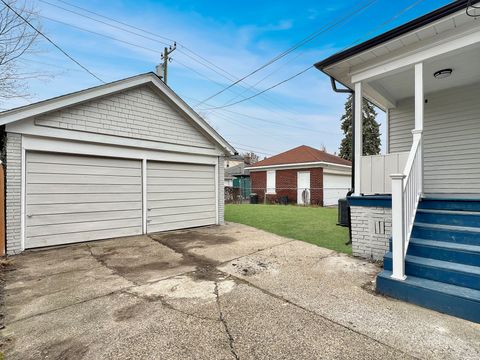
<point x="301" y="155"/>
<point x="150" y="78"/>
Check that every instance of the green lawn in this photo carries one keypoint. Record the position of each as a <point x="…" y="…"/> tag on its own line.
<point x="315" y="225"/>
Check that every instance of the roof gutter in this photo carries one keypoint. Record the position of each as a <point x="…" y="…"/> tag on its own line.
<point x="398" y="31"/>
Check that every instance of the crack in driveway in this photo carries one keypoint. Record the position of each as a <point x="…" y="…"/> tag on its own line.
<point x="231" y="340"/>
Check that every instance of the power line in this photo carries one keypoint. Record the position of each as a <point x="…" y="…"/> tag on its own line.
<point x="51" y="41"/>
<point x="263" y="91"/>
<point x="230" y="76"/>
<point x="305" y="70"/>
<point x="304" y="41"/>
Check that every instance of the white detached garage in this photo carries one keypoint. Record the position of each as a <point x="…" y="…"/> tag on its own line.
<point x="125" y="158"/>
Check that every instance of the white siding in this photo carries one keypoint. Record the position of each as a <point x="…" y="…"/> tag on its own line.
<point x="451" y="138"/>
<point x="13" y="199"/>
<point x="180" y="196"/>
<point x="71" y="198"/>
<point x="138" y="113"/>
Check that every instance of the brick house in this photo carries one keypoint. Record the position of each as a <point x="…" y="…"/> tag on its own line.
<point x="303" y="175"/>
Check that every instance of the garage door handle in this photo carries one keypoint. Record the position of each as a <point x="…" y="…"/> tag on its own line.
<point x="29" y="215"/>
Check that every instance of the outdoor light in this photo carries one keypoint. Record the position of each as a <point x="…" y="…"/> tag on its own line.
<point x="442" y="74"/>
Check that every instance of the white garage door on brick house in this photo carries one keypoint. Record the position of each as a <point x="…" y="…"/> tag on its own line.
<point x="77" y="165"/>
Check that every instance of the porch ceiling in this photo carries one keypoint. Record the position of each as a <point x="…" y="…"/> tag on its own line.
<point x="465" y="68"/>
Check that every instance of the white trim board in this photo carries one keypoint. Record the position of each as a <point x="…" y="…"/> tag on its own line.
<point x="317" y="164"/>
<point x="68" y="100"/>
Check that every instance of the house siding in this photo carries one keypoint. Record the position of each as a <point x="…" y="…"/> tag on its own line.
<point x="13" y="192"/>
<point x="221" y="191"/>
<point x="138" y="113"/>
<point x="451" y="134"/>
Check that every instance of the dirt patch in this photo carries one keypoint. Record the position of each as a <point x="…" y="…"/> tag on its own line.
<point x="127" y="312"/>
<point x="67" y="349"/>
<point x="181" y="241"/>
<point x="249" y="268"/>
<point x="159" y="265"/>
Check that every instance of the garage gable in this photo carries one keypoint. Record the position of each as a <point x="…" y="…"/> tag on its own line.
<point x="140" y="113"/>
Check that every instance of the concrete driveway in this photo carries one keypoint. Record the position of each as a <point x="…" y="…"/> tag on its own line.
<point x="230" y="292"/>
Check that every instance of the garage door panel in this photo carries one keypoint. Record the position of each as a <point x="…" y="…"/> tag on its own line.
<point x="43" y="199"/>
<point x="73" y="198"/>
<point x="180" y="181"/>
<point x="48" y="240"/>
<point x="42" y="168"/>
<point x="176" y="174"/>
<point x="189" y="168"/>
<point x="165" y="196"/>
<point x="335" y="187"/>
<point x="158" y="204"/>
<point x="55" y="158"/>
<point x="75" y="227"/>
<point x="170" y="211"/>
<point x="180" y="196"/>
<point x="83" y="207"/>
<point x="174" y="225"/>
<point x="54" y="219"/>
<point x="81" y="189"/>
<point x="83" y="179"/>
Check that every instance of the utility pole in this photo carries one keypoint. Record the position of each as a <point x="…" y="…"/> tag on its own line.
<point x="166" y="59"/>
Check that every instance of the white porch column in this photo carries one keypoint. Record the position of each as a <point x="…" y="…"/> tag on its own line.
<point x="419" y="114"/>
<point x="358" y="118"/>
<point x="398" y="228"/>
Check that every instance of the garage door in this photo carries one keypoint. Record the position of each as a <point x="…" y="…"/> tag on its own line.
<point x="335" y="187"/>
<point x="179" y="196"/>
<point x="72" y="198"/>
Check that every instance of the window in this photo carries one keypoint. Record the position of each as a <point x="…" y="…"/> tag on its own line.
<point x="271" y="182"/>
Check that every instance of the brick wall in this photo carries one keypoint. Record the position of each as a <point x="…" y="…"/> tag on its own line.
<point x="13" y="192"/>
<point x="371" y="231"/>
<point x="286" y="185"/>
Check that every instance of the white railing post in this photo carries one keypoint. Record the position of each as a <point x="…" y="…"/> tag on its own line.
<point x="398" y="227"/>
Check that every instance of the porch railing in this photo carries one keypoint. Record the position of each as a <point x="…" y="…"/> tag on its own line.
<point x="407" y="189"/>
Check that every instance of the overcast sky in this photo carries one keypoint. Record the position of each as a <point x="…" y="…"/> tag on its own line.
<point x="236" y="37"/>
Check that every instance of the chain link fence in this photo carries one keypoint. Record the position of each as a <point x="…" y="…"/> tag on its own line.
<point x="318" y="196"/>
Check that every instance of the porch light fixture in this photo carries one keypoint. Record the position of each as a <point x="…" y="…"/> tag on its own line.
<point x="442" y="74"/>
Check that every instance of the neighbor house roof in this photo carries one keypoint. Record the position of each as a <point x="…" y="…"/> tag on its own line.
<point x="398" y="31"/>
<point x="237" y="170"/>
<point x="301" y="155"/>
<point x="78" y="97"/>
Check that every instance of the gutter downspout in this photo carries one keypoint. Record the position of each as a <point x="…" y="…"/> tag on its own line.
<point x="352" y="190"/>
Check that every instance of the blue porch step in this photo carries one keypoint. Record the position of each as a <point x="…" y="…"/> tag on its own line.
<point x="453" y="233"/>
<point x="449" y="217"/>
<point x="451" y="203"/>
<point x="446" y="298"/>
<point x="443" y="258"/>
<point x="446" y="251"/>
<point x="438" y="270"/>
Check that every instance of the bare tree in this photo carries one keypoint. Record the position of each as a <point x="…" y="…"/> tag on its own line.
<point x="17" y="39"/>
<point x="250" y="158"/>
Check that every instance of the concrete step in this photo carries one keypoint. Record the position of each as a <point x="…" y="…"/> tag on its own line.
<point x="446" y="298"/>
<point x="449" y="217"/>
<point x="438" y="270"/>
<point x="445" y="251"/>
<point x="452" y="233"/>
